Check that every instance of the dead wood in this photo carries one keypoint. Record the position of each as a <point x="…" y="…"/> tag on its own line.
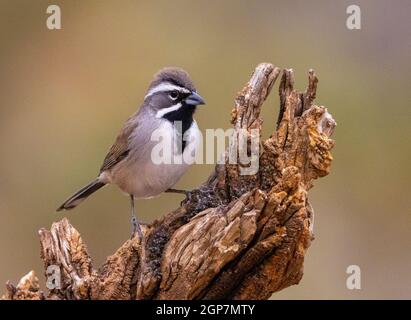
<point x="235" y="237"/>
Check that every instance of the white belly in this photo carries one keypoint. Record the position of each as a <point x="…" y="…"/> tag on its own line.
<point x="148" y="172"/>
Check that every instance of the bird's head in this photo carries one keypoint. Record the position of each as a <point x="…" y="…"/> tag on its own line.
<point x="172" y="95"/>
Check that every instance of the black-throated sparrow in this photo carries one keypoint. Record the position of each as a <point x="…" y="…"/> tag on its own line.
<point x="171" y="99"/>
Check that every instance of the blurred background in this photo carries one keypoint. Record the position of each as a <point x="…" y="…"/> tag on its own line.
<point x="64" y="95"/>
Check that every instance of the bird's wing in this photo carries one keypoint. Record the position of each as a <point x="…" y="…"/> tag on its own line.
<point x="120" y="148"/>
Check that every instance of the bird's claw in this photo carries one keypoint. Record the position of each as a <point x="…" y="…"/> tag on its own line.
<point x="135" y="228"/>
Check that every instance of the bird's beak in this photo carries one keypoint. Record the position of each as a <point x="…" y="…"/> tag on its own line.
<point x="194" y="99"/>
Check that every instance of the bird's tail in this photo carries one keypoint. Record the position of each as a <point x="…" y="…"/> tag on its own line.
<point x="81" y="195"/>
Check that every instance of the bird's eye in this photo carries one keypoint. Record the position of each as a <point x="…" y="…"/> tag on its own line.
<point x="174" y="94"/>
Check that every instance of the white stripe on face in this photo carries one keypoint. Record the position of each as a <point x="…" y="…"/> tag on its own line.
<point x="160" y="113"/>
<point x="164" y="87"/>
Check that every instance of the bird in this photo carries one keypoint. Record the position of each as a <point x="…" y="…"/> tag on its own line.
<point x="168" y="111"/>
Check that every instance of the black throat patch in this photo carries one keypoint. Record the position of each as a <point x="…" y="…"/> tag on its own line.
<point x="184" y="116"/>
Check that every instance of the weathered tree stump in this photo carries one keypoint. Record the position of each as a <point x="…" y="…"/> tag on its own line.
<point x="236" y="236"/>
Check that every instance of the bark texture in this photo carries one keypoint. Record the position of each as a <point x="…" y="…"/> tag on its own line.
<point x="235" y="237"/>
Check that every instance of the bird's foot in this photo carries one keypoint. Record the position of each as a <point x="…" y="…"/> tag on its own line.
<point x="177" y="191"/>
<point x="136" y="228"/>
<point x="187" y="193"/>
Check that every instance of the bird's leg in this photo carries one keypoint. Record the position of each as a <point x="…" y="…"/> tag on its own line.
<point x="135" y="226"/>
<point x="185" y="192"/>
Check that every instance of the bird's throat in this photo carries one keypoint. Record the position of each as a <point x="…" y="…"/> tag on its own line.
<point x="182" y="119"/>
